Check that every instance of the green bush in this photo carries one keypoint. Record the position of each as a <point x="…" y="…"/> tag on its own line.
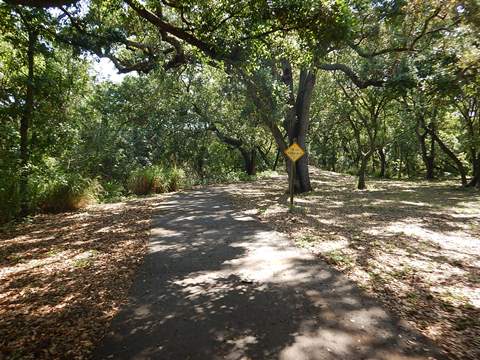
<point x="9" y="199"/>
<point x="226" y="178"/>
<point x="69" y="192"/>
<point x="267" y="174"/>
<point x="155" y="179"/>
<point x="112" y="191"/>
<point x="175" y="179"/>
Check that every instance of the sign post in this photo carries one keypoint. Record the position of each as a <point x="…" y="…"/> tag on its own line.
<point x="294" y="152"/>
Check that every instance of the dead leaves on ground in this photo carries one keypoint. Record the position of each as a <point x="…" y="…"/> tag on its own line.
<point x="413" y="245"/>
<point x="64" y="276"/>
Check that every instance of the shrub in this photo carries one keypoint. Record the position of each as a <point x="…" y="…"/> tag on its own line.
<point x="9" y="199"/>
<point x="145" y="181"/>
<point x="70" y="192"/>
<point x="175" y="179"/>
<point x="267" y="174"/>
<point x="112" y="191"/>
<point x="155" y="179"/>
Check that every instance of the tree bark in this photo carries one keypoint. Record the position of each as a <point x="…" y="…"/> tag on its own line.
<point x="451" y="155"/>
<point x="248" y="156"/>
<point x="428" y="159"/>
<point x="297" y="121"/>
<point x="249" y="159"/>
<point x="25" y="123"/>
<point x="277" y="157"/>
<point x="400" y="154"/>
<point x="383" y="162"/>
<point x="475" y="180"/>
<point x="362" y="170"/>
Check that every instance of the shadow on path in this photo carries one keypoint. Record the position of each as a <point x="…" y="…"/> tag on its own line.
<point x="220" y="285"/>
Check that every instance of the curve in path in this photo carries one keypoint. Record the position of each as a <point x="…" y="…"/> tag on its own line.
<point x="217" y="284"/>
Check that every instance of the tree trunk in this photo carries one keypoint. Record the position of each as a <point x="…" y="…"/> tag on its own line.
<point x="399" y="174"/>
<point x="333" y="162"/>
<point x="475" y="180"/>
<point x="250" y="162"/>
<point x="428" y="159"/>
<point x="451" y="155"/>
<point x="277" y="157"/>
<point x="362" y="170"/>
<point x="383" y="162"/>
<point x="297" y="122"/>
<point x="25" y="122"/>
<point x="249" y="156"/>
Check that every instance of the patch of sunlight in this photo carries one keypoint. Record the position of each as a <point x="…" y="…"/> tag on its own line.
<point x="415" y="203"/>
<point x="336" y="203"/>
<point x="111" y="206"/>
<point x="330" y="343"/>
<point x="375" y="231"/>
<point x="276" y="209"/>
<point x="306" y="200"/>
<point x="284" y="263"/>
<point x="460" y="295"/>
<point x="159" y="231"/>
<point x="331" y="245"/>
<point x="382" y="201"/>
<point x="242" y="218"/>
<point x="33" y="263"/>
<point x="243" y="342"/>
<point x="467" y="208"/>
<point x="84" y="259"/>
<point x="324" y="221"/>
<point x="448" y="240"/>
<point x="363" y="214"/>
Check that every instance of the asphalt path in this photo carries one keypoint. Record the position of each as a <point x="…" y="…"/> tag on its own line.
<point x="217" y="284"/>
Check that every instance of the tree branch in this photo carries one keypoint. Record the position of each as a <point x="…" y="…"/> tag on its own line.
<point x="362" y="84"/>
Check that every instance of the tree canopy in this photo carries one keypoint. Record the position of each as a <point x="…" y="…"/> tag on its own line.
<point x="382" y="88"/>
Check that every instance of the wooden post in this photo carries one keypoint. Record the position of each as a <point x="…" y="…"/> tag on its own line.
<point x="292" y="183"/>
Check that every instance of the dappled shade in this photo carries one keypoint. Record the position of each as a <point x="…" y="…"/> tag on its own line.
<point x="219" y="284"/>
<point x="413" y="245"/>
<point x="63" y="278"/>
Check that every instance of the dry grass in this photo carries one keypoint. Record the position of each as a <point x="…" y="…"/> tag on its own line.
<point x="64" y="276"/>
<point x="413" y="245"/>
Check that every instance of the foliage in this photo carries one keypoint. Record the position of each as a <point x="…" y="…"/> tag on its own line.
<point x="155" y="180"/>
<point x="68" y="192"/>
<point x="221" y="99"/>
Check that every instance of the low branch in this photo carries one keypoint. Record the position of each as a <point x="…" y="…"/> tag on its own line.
<point x="173" y="30"/>
<point x="362" y="84"/>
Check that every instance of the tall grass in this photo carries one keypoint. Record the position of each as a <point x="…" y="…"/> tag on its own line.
<point x="70" y="192"/>
<point x="155" y="180"/>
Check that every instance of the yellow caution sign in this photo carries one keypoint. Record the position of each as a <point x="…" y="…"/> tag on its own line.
<point x="294" y="152"/>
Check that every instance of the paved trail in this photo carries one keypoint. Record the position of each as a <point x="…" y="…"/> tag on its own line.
<point x="220" y="285"/>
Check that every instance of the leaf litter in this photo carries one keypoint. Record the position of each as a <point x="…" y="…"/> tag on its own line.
<point x="63" y="277"/>
<point x="414" y="245"/>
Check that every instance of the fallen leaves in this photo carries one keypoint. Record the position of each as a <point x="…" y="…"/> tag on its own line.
<point x="63" y="277"/>
<point x="413" y="245"/>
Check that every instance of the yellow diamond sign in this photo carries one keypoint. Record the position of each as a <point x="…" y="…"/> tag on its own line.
<point x="294" y="152"/>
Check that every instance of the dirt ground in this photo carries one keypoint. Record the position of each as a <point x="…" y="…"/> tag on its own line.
<point x="413" y="245"/>
<point x="64" y="276"/>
